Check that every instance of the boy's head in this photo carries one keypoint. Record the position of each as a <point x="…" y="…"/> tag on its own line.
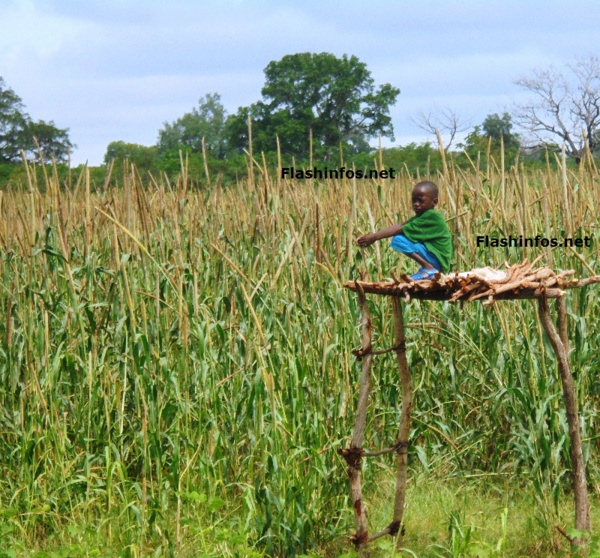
<point x="424" y="197"/>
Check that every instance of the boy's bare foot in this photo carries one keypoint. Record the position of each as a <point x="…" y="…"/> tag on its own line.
<point x="423" y="274"/>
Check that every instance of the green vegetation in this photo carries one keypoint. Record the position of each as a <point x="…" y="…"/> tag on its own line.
<point x="19" y="134"/>
<point x="318" y="109"/>
<point x="316" y="98"/>
<point x="176" y="372"/>
<point x="492" y="137"/>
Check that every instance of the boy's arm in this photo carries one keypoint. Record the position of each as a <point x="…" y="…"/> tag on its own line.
<point x="367" y="239"/>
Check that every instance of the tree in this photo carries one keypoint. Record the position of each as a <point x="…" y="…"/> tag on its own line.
<point x="141" y="156"/>
<point x="19" y="133"/>
<point x="415" y="158"/>
<point x="207" y="121"/>
<point x="499" y="128"/>
<point x="494" y="133"/>
<point x="335" y="98"/>
<point x="123" y="155"/>
<point x="447" y="122"/>
<point x="13" y="123"/>
<point x="565" y="106"/>
<point x="46" y="139"/>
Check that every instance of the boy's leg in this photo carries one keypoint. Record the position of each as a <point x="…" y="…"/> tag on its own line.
<point x="421" y="261"/>
<point x="415" y="251"/>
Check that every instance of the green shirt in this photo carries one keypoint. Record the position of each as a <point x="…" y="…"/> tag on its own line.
<point x="431" y="229"/>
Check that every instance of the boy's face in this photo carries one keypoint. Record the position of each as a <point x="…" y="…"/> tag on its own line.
<point x="423" y="198"/>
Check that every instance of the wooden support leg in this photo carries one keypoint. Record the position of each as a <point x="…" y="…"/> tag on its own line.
<point x="559" y="344"/>
<point x="401" y="446"/>
<point x="404" y="429"/>
<point x="353" y="455"/>
<point x="563" y="327"/>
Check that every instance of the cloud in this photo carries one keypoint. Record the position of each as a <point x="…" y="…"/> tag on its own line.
<point x="118" y="69"/>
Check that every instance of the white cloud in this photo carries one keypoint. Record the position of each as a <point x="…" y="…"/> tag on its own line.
<point x="117" y="69"/>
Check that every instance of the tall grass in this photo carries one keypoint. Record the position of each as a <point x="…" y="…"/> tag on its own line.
<point x="175" y="368"/>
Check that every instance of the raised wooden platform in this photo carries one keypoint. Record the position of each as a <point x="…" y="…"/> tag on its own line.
<point x="487" y="285"/>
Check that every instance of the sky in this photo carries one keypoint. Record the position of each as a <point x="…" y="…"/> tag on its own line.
<point x="113" y="70"/>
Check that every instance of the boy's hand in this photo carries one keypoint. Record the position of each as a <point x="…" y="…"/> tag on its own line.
<point x="365" y="240"/>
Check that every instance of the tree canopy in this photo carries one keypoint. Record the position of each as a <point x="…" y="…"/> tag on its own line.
<point x="13" y="123"/>
<point x="19" y="133"/>
<point x="492" y="135"/>
<point x="207" y="121"/>
<point x="334" y="101"/>
<point x="495" y="130"/>
<point x="335" y="98"/>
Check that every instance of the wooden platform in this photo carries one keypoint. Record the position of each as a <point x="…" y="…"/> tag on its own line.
<point x="487" y="285"/>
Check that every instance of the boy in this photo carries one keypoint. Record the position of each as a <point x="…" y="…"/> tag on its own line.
<point x="425" y="237"/>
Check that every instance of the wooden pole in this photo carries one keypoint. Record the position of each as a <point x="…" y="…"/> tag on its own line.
<point x="563" y="328"/>
<point x="404" y="428"/>
<point x="353" y="455"/>
<point x="559" y="344"/>
<point x="401" y="445"/>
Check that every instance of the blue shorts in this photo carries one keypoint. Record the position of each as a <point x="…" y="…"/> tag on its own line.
<point x="406" y="246"/>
